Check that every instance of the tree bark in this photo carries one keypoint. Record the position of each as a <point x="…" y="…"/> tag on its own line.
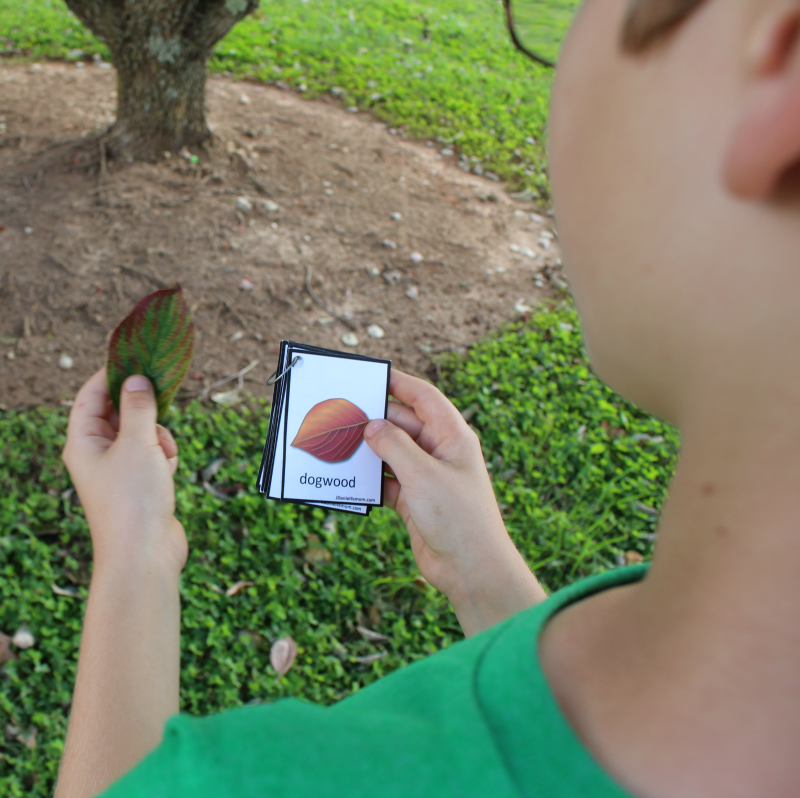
<point x="158" y="109"/>
<point x="160" y="49"/>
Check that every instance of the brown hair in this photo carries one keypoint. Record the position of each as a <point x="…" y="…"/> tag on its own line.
<point x="649" y="20"/>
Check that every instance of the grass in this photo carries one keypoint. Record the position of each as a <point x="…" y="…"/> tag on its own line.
<point x="444" y="70"/>
<point x="579" y="472"/>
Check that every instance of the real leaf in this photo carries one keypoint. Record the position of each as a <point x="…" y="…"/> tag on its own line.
<point x="156" y="340"/>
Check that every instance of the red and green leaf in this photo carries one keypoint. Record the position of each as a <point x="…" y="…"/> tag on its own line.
<point x="156" y="340"/>
<point x="332" y="430"/>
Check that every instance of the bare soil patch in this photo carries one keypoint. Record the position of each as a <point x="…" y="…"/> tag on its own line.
<point x="81" y="240"/>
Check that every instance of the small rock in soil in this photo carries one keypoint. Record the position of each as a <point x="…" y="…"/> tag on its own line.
<point x="374" y="331"/>
<point x="270" y="206"/>
<point x="65" y="362"/>
<point x="23" y="638"/>
<point x="392" y="277"/>
<point x="239" y="163"/>
<point x="396" y="216"/>
<point x="416" y="257"/>
<point x="388" y="244"/>
<point x="521" y="307"/>
<point x="246" y="285"/>
<point x="350" y="339"/>
<point x="227" y="398"/>
<point x="244" y="99"/>
<point x="243" y="204"/>
<point x="28" y="231"/>
<point x="413" y="292"/>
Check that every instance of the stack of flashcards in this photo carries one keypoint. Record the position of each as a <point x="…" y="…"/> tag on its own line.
<point x="315" y="451"/>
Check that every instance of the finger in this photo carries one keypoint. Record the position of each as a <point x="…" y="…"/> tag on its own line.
<point x="88" y="419"/>
<point x="395" y="447"/>
<point x="428" y="402"/>
<point x="167" y="442"/>
<point x="405" y="418"/>
<point x="391" y="491"/>
<point x="113" y="417"/>
<point x="91" y="401"/>
<point x="138" y="411"/>
<point x="387" y="469"/>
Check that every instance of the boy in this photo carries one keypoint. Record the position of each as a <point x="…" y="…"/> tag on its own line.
<point x="674" y="169"/>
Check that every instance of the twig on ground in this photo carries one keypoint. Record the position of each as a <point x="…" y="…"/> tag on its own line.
<point x="239" y="377"/>
<point x="261" y="188"/>
<point x="146" y="275"/>
<point x="235" y="314"/>
<point x="103" y="165"/>
<point x="349" y="322"/>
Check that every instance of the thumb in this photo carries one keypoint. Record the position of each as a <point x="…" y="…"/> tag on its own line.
<point x="137" y="409"/>
<point x="396" y="448"/>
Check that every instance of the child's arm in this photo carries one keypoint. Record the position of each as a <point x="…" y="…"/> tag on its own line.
<point x="444" y="496"/>
<point x="128" y="670"/>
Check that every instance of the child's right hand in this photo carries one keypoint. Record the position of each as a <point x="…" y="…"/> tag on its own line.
<point x="444" y="496"/>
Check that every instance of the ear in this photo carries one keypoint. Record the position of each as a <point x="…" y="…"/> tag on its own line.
<point x="766" y="140"/>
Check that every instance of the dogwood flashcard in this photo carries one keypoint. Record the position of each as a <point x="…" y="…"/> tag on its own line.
<point x="315" y="451"/>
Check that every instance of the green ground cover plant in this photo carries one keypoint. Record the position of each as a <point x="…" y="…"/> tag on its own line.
<point x="444" y="70"/>
<point x="580" y="474"/>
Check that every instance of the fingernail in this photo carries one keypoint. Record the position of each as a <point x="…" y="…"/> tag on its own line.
<point x="137" y="383"/>
<point x="374" y="426"/>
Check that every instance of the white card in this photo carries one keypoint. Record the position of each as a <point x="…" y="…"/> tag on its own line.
<point x="327" y="404"/>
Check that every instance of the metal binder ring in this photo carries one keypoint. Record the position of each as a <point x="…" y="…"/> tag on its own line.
<point x="273" y="378"/>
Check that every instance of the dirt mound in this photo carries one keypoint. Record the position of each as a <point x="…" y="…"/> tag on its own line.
<point x="302" y="221"/>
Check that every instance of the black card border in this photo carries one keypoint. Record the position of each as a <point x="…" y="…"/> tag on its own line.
<point x="345" y="356"/>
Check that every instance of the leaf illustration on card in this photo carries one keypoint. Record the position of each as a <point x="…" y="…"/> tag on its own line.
<point x="156" y="339"/>
<point x="332" y="430"/>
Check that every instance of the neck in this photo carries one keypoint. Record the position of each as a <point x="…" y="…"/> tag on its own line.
<point x="730" y="530"/>
<point x="712" y="633"/>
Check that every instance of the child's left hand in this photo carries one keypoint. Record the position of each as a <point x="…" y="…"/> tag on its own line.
<point x="122" y="468"/>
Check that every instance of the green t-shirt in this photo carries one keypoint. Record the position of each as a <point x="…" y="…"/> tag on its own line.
<point x="475" y="719"/>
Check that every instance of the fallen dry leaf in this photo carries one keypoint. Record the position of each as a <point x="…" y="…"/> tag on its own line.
<point x="282" y="655"/>
<point x="236" y="587"/>
<point x="373" y="637"/>
<point x="633" y="558"/>
<point x="319" y="555"/>
<point x="6" y="653"/>
<point x="370" y="658"/>
<point x="69" y="592"/>
<point x="253" y="639"/>
<point x="332" y="430"/>
<point x="28" y="737"/>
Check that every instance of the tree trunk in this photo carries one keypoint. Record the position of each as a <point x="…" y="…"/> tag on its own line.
<point x="160" y="107"/>
<point x="160" y="49"/>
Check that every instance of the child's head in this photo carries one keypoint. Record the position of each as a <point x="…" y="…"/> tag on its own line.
<point x="674" y="137"/>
